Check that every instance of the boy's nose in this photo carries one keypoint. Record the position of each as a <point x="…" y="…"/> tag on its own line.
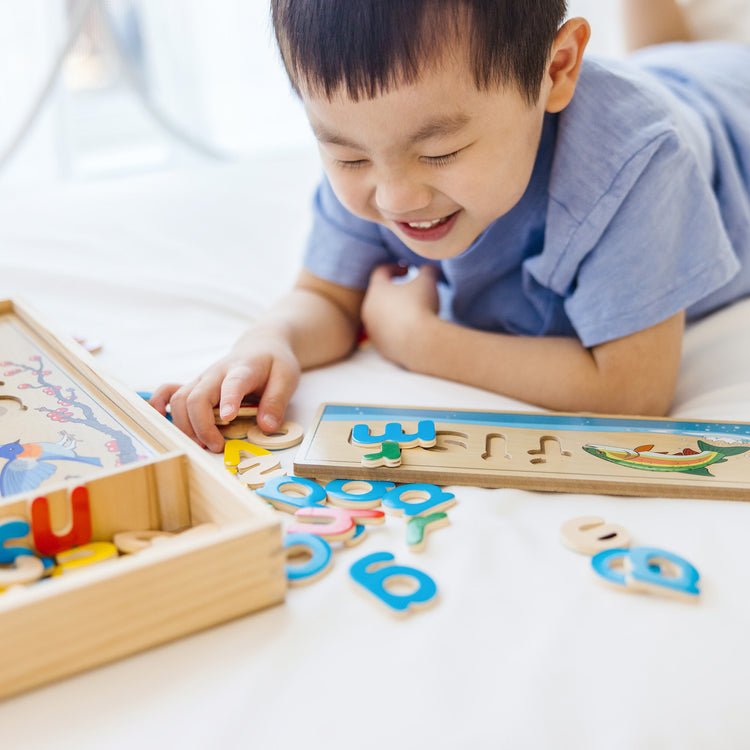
<point x="394" y="196"/>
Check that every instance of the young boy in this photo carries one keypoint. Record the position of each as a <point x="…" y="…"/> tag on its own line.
<point x="575" y="212"/>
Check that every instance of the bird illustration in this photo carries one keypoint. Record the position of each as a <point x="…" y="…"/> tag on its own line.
<point x="27" y="464"/>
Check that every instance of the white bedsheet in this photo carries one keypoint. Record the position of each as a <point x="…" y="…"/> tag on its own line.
<point x="524" y="649"/>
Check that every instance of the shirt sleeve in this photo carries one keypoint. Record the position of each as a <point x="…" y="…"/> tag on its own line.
<point x="655" y="251"/>
<point x="342" y="248"/>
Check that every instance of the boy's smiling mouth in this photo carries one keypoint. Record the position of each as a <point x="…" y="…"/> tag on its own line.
<point x="428" y="230"/>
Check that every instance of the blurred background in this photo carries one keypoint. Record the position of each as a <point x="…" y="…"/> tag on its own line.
<point x="99" y="89"/>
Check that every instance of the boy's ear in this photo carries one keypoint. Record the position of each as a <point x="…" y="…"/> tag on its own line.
<point x="565" y="62"/>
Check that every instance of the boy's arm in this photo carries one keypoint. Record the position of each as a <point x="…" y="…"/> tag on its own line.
<point x="649" y="22"/>
<point x="316" y="323"/>
<point x="635" y="374"/>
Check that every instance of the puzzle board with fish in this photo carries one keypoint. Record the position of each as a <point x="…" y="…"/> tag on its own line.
<point x="538" y="451"/>
<point x="67" y="429"/>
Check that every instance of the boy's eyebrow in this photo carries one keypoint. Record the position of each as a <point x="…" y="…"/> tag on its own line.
<point x="439" y="126"/>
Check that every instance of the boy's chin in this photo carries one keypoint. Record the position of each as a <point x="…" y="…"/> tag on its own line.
<point x="433" y="253"/>
<point x="449" y="247"/>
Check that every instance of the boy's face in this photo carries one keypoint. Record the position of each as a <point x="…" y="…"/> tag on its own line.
<point x="436" y="161"/>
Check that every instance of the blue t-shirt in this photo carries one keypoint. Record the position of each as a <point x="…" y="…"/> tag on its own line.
<point x="638" y="207"/>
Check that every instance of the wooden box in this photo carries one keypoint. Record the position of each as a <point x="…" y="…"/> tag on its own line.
<point x="140" y="473"/>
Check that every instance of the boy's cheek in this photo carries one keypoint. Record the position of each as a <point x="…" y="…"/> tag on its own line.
<point x="352" y="195"/>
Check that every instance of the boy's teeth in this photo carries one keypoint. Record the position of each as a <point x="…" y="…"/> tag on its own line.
<point x="423" y="224"/>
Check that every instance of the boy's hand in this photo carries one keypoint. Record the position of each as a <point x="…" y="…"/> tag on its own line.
<point x="316" y="323"/>
<point x="394" y="310"/>
<point x="267" y="367"/>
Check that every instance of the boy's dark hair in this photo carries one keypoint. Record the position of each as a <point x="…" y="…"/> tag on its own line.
<point x="367" y="46"/>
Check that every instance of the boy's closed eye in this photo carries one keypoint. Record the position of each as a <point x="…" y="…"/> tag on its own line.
<point x="350" y="163"/>
<point x="441" y="161"/>
<point x="436" y="161"/>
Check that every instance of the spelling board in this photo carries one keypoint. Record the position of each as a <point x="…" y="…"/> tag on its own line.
<point x="539" y="451"/>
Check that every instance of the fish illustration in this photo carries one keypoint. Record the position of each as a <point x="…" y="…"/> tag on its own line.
<point x="687" y="461"/>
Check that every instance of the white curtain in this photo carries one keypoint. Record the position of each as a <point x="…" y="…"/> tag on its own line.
<point x="30" y="32"/>
<point x="214" y="66"/>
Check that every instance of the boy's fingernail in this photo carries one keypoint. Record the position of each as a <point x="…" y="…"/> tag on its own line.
<point x="225" y="411"/>
<point x="270" y="423"/>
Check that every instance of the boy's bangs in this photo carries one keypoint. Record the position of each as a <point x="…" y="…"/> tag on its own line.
<point x="365" y="48"/>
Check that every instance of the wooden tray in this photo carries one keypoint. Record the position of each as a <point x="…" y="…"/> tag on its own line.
<point x="539" y="451"/>
<point x="142" y="473"/>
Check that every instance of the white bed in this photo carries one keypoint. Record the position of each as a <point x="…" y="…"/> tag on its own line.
<point x="525" y="649"/>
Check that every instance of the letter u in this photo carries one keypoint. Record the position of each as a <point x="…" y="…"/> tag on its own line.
<point x="46" y="541"/>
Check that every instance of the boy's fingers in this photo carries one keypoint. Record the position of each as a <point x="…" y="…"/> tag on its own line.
<point x="179" y="410"/>
<point x="192" y="405"/>
<point x="386" y="272"/>
<point x="278" y="391"/>
<point x="200" y="410"/>
<point x="161" y="397"/>
<point x="236" y="385"/>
